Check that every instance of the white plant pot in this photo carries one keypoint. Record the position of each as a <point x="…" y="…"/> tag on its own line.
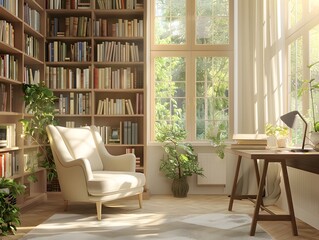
<point x="314" y="138"/>
<point x="281" y="142"/>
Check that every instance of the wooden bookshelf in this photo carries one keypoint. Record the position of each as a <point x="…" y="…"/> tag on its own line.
<point x="95" y="64"/>
<point x="22" y="61"/>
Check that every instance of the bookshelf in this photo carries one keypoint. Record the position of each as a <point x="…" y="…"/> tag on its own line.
<point x="21" y="61"/>
<point x="95" y="64"/>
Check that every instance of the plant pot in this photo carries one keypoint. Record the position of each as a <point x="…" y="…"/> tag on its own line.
<point x="180" y="187"/>
<point x="281" y="142"/>
<point x="53" y="186"/>
<point x="314" y="138"/>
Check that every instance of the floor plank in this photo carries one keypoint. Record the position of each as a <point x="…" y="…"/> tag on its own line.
<point x="31" y="217"/>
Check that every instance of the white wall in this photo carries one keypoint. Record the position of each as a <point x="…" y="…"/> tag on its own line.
<point x="157" y="183"/>
<point x="305" y="196"/>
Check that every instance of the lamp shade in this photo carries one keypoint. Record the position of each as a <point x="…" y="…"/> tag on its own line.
<point x="289" y="118"/>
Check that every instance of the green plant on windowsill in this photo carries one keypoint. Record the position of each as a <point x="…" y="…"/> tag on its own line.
<point x="311" y="86"/>
<point x="40" y="103"/>
<point x="180" y="161"/>
<point x="9" y="212"/>
<point x="217" y="136"/>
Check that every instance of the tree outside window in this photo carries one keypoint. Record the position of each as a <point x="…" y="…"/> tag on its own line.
<point x="191" y="56"/>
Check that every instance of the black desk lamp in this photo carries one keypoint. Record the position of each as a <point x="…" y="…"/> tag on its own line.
<point x="289" y="119"/>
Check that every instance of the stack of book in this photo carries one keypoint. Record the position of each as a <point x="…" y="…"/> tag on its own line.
<point x="249" y="141"/>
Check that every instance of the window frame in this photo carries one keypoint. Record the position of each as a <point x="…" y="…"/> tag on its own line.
<point x="190" y="51"/>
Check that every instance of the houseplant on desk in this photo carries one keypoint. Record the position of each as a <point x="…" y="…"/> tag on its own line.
<point x="278" y="133"/>
<point x="180" y="160"/>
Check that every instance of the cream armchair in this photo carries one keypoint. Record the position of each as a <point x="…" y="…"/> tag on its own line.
<point x="87" y="172"/>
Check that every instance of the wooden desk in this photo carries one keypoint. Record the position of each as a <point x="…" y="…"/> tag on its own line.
<point x="269" y="156"/>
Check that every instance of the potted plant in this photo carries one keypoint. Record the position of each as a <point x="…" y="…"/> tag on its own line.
<point x="180" y="160"/>
<point x="40" y="102"/>
<point x="278" y="133"/>
<point x="9" y="212"/>
<point x="311" y="86"/>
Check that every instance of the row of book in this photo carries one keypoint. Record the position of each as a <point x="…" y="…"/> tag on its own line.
<point x="117" y="52"/>
<point x="8" y="66"/>
<point x="6" y="33"/>
<point x="68" y="4"/>
<point x="67" y="78"/>
<point x="11" y="6"/>
<point x="3" y="97"/>
<point x="69" y="26"/>
<point x="32" y="46"/>
<point x="130" y="132"/>
<point x="115" y="107"/>
<point x="9" y="164"/>
<point x="109" y="106"/>
<point x="32" y="17"/>
<point x="79" y="78"/>
<point x="31" y="76"/>
<point x="139" y="162"/>
<point x="111" y="78"/>
<point x="119" y="4"/>
<point x="62" y="51"/>
<point x="7" y="135"/>
<point x="74" y="103"/>
<point x="128" y="28"/>
<point x="249" y="141"/>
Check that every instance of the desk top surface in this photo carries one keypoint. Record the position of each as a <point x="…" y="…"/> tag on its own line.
<point x="279" y="154"/>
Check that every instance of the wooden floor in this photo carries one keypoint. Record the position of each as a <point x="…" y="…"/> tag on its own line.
<point x="278" y="230"/>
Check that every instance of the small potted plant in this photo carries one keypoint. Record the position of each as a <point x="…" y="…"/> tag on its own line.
<point x="180" y="160"/>
<point x="278" y="133"/>
<point x="9" y="212"/>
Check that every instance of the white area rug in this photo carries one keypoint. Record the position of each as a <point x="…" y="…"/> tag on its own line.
<point x="146" y="226"/>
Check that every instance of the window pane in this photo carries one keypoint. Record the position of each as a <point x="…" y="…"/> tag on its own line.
<point x="212" y="83"/>
<point x="314" y="73"/>
<point x="313" y="4"/>
<point x="212" y="22"/>
<point x="170" y="90"/>
<point x="170" y="22"/>
<point x="295" y="79"/>
<point x="294" y="12"/>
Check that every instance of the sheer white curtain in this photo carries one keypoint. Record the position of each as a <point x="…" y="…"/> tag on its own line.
<point x="259" y="77"/>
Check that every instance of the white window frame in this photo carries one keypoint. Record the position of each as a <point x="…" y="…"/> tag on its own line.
<point x="190" y="51"/>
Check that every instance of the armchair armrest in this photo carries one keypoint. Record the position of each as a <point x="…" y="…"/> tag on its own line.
<point x="124" y="162"/>
<point x="80" y="162"/>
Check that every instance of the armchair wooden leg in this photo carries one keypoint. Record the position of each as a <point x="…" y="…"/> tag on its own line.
<point x="99" y="210"/>
<point x="140" y="199"/>
<point x="66" y="204"/>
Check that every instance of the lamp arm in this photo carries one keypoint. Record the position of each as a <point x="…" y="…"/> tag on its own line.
<point x="305" y="132"/>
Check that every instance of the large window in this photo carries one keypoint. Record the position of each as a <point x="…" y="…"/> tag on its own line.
<point x="191" y="66"/>
<point x="303" y="50"/>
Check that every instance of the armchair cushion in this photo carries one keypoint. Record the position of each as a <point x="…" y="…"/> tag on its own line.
<point x="110" y="182"/>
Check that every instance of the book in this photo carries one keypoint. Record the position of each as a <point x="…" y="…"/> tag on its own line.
<point x="259" y="139"/>
<point x="249" y="141"/>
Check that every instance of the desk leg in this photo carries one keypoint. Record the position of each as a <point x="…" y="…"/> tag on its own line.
<point x="289" y="198"/>
<point x="259" y="199"/>
<point x="233" y="192"/>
